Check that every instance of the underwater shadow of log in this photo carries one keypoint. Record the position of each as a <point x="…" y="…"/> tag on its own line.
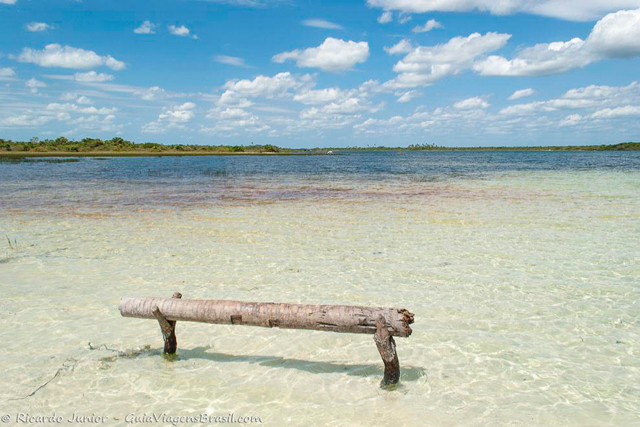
<point x="145" y="351"/>
<point x="409" y="373"/>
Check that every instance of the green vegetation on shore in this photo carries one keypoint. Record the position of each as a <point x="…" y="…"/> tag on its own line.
<point x="121" y="147"/>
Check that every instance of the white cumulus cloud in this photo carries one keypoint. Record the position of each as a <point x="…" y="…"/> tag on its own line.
<point x="83" y="100"/>
<point x="612" y="113"/>
<point x="571" y="120"/>
<point x="55" y="55"/>
<point x="588" y="97"/>
<point x="35" y="27"/>
<point x="67" y="108"/>
<point x="575" y="10"/>
<point x="385" y="18"/>
<point x="171" y="118"/>
<point x="332" y="55"/>
<point x="471" y="104"/>
<point x="336" y="114"/>
<point x="26" y="120"/>
<point x="589" y="108"/>
<point x="147" y="27"/>
<point x="269" y="87"/>
<point x="521" y="94"/>
<point x="431" y="24"/>
<point x="92" y="77"/>
<point x="319" y="96"/>
<point x="617" y="35"/>
<point x="179" y="113"/>
<point x="403" y="46"/>
<point x="7" y="74"/>
<point x="181" y="31"/>
<point x="408" y="95"/>
<point x="34" y="85"/>
<point x="424" y="65"/>
<point x="151" y="94"/>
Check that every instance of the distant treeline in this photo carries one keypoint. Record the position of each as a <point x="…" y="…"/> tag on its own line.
<point x="624" y="146"/>
<point x="119" y="145"/>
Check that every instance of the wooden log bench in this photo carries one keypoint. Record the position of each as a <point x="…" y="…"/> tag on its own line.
<point x="383" y="323"/>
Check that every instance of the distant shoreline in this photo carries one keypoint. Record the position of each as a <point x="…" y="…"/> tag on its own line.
<point x="624" y="146"/>
<point x="118" y="147"/>
<point x="18" y="154"/>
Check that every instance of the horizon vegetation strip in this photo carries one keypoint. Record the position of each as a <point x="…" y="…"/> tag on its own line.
<point x="119" y="147"/>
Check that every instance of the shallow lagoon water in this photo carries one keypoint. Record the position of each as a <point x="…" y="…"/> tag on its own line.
<point x="522" y="269"/>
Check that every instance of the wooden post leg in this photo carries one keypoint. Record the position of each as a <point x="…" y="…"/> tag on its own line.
<point x="387" y="348"/>
<point x="168" y="328"/>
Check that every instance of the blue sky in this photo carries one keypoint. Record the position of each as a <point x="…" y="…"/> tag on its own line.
<point x="322" y="73"/>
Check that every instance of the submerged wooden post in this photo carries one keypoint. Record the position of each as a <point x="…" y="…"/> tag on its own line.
<point x="383" y="323"/>
<point x="168" y="328"/>
<point x="387" y="348"/>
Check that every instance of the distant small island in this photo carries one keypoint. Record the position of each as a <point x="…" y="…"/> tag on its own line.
<point x="63" y="147"/>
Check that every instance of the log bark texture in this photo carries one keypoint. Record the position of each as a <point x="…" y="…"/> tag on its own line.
<point x="333" y="318"/>
<point x="168" y="329"/>
<point x="387" y="348"/>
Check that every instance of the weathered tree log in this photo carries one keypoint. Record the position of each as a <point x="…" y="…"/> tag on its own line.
<point x="333" y="318"/>
<point x="387" y="348"/>
<point x="168" y="328"/>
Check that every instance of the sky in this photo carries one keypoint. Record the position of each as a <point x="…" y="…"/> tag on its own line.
<point x="312" y="73"/>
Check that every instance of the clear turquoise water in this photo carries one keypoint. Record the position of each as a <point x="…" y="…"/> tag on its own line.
<point x="523" y="271"/>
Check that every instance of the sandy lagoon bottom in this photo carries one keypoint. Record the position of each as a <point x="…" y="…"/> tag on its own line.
<point x="525" y="288"/>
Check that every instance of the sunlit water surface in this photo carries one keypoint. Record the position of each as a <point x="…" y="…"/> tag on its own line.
<point x="522" y="269"/>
